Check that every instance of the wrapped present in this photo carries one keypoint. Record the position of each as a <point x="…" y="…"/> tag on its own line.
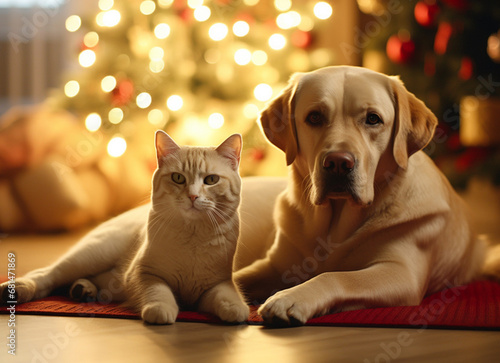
<point x="55" y="175"/>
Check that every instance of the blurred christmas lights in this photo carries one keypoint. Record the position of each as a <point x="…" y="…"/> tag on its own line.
<point x="87" y="58"/>
<point x="106" y="4"/>
<point x="108" y="19"/>
<point x="218" y="31"/>
<point x="143" y="100"/>
<point x="277" y="41"/>
<point x="117" y="146"/>
<point x="115" y="115"/>
<point x="93" y="122"/>
<point x="162" y="31"/>
<point x="108" y="83"/>
<point x="282" y="5"/>
<point x="202" y="13"/>
<point x="242" y="57"/>
<point x="216" y="120"/>
<point x="323" y="10"/>
<point x="71" y="88"/>
<point x="246" y="47"/>
<point x="91" y="39"/>
<point x="157" y="118"/>
<point x="73" y="23"/>
<point x="147" y="7"/>
<point x="263" y="92"/>
<point x="175" y="103"/>
<point x="241" y="28"/>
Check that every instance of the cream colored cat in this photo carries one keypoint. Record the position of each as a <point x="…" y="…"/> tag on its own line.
<point x="181" y="252"/>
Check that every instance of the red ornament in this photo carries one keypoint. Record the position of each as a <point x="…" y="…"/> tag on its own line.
<point x="400" y="50"/>
<point x="470" y="158"/>
<point x="258" y="154"/>
<point x="454" y="143"/>
<point x="123" y="92"/>
<point x="466" y="68"/>
<point x="426" y="13"/>
<point x="186" y="15"/>
<point x="443" y="35"/>
<point x="301" y="39"/>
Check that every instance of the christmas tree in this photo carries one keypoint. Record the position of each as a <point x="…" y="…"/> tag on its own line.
<point x="447" y="52"/>
<point x="194" y="68"/>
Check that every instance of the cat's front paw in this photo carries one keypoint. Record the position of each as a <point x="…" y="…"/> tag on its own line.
<point x="232" y="312"/>
<point x="159" y="313"/>
<point x="21" y="291"/>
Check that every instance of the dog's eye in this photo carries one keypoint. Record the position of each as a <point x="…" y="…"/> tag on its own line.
<point x="314" y="118"/>
<point x="373" y="119"/>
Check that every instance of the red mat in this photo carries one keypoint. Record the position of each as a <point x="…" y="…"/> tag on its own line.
<point x="474" y="306"/>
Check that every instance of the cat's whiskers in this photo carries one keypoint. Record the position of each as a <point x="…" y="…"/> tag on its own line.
<point x="232" y="232"/>
<point x="219" y="233"/>
<point x="159" y="224"/>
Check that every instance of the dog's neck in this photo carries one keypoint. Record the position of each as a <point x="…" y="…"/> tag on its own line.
<point x="330" y="218"/>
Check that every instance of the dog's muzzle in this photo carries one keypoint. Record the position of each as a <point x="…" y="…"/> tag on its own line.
<point x="338" y="167"/>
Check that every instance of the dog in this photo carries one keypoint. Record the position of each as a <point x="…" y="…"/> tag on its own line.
<point x="367" y="219"/>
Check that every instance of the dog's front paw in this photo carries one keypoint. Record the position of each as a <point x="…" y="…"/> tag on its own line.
<point x="286" y="309"/>
<point x="233" y="312"/>
<point x="159" y="313"/>
<point x="21" y="291"/>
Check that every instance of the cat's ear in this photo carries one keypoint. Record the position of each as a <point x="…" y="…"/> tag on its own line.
<point x="165" y="145"/>
<point x="231" y="149"/>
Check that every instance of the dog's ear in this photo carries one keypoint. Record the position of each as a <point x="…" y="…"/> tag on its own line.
<point x="278" y="121"/>
<point x="414" y="123"/>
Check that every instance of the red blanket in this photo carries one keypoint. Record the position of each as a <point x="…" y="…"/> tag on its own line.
<point x="474" y="306"/>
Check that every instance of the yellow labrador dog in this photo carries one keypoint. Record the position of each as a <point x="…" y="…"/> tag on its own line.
<point x="367" y="220"/>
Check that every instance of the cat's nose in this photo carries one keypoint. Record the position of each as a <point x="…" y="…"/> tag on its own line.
<point x="193" y="198"/>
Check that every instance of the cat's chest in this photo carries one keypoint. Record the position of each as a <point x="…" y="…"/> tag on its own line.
<point x="190" y="270"/>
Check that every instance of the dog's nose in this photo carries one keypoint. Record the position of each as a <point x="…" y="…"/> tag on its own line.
<point x="339" y="162"/>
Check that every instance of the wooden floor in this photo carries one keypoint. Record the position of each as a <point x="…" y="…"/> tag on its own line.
<point x="59" y="339"/>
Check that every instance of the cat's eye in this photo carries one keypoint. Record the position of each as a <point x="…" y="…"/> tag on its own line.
<point x="178" y="178"/>
<point x="211" y="179"/>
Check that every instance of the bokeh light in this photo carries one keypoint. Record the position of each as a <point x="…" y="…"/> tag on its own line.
<point x="117" y="146"/>
<point x="143" y="100"/>
<point x="162" y="31"/>
<point x="91" y="39"/>
<point x="277" y="41"/>
<point x="93" y="122"/>
<point x="108" y="83"/>
<point x="115" y="115"/>
<point x="175" y="103"/>
<point x="241" y="28"/>
<point x="216" y="120"/>
<point x="218" y="31"/>
<point x="71" y="88"/>
<point x="263" y="92"/>
<point x="73" y="23"/>
<point x="323" y="10"/>
<point x="87" y="58"/>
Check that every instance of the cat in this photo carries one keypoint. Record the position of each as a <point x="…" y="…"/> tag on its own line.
<point x="176" y="250"/>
